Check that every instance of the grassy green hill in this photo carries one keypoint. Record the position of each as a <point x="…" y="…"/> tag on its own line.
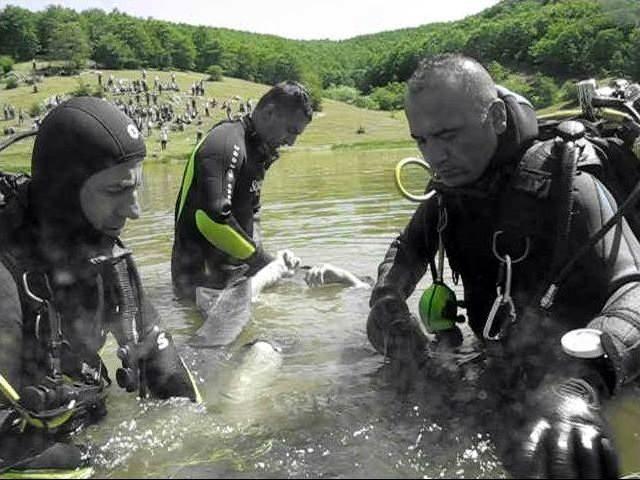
<point x="335" y="127"/>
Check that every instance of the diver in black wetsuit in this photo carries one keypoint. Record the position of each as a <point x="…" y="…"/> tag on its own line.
<point x="66" y="281"/>
<point x="507" y="214"/>
<point x="215" y="237"/>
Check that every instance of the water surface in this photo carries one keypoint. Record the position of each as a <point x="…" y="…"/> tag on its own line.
<point x="333" y="409"/>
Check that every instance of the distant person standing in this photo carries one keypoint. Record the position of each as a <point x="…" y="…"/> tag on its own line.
<point x="164" y="138"/>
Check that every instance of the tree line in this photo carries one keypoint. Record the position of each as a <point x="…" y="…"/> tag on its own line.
<point x="535" y="45"/>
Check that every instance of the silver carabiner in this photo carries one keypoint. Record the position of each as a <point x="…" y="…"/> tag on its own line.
<point x="500" y="302"/>
<point x="508" y="277"/>
<point x="503" y="300"/>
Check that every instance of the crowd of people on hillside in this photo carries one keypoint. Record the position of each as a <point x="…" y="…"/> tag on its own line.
<point x="152" y="105"/>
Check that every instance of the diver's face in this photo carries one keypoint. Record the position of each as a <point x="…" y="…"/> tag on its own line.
<point x="110" y="196"/>
<point x="455" y="139"/>
<point x="278" y="126"/>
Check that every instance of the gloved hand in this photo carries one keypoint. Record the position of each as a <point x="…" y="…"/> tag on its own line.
<point x="568" y="438"/>
<point x="326" y="273"/>
<point x="164" y="371"/>
<point x="393" y="331"/>
<point x="289" y="260"/>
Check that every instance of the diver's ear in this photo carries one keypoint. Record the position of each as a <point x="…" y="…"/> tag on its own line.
<point x="498" y="116"/>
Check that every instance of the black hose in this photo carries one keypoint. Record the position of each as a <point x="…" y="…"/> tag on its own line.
<point x="17" y="137"/>
<point x="595" y="238"/>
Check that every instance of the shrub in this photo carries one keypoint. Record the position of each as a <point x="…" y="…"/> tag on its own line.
<point x="342" y="93"/>
<point x="86" y="90"/>
<point x="365" y="101"/>
<point x="35" y="110"/>
<point x="215" y="73"/>
<point x="389" y="97"/>
<point x="6" y="63"/>
<point x="12" y="82"/>
<point x="350" y="95"/>
<point x="315" y="94"/>
<point x="543" y="91"/>
<point x="568" y="91"/>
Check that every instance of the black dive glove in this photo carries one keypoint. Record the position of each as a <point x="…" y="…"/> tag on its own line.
<point x="568" y="437"/>
<point x="165" y="373"/>
<point x="155" y="361"/>
<point x="393" y="331"/>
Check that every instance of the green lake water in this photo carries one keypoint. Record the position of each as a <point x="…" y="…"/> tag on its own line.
<point x="332" y="409"/>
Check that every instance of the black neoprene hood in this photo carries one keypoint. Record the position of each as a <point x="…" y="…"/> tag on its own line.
<point x="77" y="139"/>
<point x="83" y="136"/>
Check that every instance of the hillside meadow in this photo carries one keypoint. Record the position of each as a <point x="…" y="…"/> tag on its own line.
<point x="336" y="126"/>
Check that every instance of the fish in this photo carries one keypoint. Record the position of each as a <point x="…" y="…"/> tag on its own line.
<point x="233" y="382"/>
<point x="255" y="367"/>
<point x="226" y="312"/>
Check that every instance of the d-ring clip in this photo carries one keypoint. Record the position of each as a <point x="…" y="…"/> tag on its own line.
<point x="28" y="291"/>
<point x="502" y="259"/>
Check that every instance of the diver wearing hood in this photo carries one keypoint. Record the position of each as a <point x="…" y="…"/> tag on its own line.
<point x="66" y="280"/>
<point x="215" y="239"/>
<point x="508" y="210"/>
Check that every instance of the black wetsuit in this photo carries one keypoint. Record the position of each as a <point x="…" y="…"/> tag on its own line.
<point x="94" y="284"/>
<point x="602" y="291"/>
<point x="221" y="186"/>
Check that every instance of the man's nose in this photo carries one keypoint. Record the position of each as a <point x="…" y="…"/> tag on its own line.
<point x="131" y="207"/>
<point x="434" y="153"/>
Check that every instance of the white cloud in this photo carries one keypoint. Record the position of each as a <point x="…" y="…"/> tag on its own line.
<point x="306" y="19"/>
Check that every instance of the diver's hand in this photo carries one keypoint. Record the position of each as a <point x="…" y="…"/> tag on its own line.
<point x="289" y="261"/>
<point x="567" y="438"/>
<point x="393" y="331"/>
<point x="326" y="273"/>
<point x="284" y="265"/>
<point x="165" y="373"/>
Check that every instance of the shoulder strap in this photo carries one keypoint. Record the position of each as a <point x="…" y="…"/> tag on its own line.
<point x="526" y="193"/>
<point x="18" y="269"/>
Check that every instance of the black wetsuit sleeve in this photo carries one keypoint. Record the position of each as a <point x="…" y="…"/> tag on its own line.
<point x="408" y="255"/>
<point x="10" y="330"/>
<point x="614" y="265"/>
<point x="219" y="163"/>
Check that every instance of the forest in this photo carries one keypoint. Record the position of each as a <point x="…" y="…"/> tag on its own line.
<point x="537" y="47"/>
